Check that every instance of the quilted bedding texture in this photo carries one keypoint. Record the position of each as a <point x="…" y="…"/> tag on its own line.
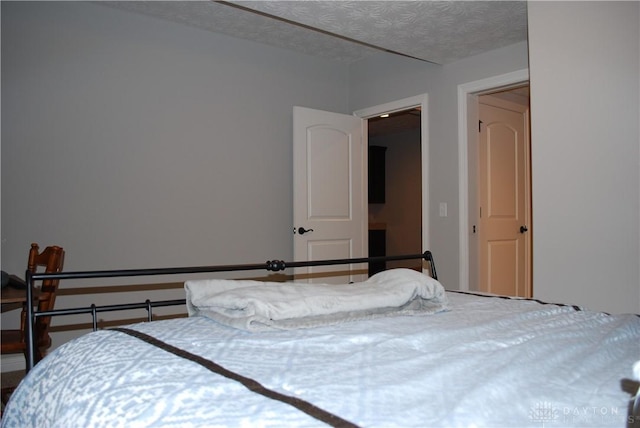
<point x="487" y="362"/>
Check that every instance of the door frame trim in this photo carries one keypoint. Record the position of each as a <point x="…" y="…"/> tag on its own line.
<point x="464" y="90"/>
<point x="421" y="101"/>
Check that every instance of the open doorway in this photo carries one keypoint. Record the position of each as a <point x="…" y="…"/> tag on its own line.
<point x="395" y="187"/>
<point x="415" y="104"/>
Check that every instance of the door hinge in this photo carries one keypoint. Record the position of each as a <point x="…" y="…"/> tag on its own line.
<point x="479" y="126"/>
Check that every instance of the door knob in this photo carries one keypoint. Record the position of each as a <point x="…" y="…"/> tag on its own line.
<point x="302" y="230"/>
<point x="523" y="229"/>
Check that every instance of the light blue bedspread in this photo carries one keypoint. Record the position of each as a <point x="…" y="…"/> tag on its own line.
<point x="487" y="362"/>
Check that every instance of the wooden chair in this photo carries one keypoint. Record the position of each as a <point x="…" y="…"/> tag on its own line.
<point x="13" y="341"/>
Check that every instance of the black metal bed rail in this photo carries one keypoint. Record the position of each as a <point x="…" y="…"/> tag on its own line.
<point x="272" y="265"/>
<point x="94" y="309"/>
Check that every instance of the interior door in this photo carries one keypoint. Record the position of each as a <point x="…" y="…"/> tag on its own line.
<point x="504" y="259"/>
<point x="329" y="193"/>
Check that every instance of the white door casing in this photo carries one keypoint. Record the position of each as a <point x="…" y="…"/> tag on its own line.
<point x="467" y="131"/>
<point x="503" y="221"/>
<point x="329" y="193"/>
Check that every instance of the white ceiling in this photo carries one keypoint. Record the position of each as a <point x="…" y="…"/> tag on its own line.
<point x="434" y="31"/>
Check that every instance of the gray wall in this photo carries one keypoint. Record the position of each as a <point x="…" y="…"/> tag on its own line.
<point x="163" y="141"/>
<point x="585" y="144"/>
<point x="585" y="152"/>
<point x="385" y="78"/>
<point x="135" y="142"/>
<point x="167" y="145"/>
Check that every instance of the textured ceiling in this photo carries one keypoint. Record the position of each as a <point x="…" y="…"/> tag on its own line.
<point x="434" y="31"/>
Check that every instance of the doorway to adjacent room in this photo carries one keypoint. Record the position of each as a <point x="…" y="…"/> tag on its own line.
<point x="398" y="222"/>
<point x="395" y="187"/>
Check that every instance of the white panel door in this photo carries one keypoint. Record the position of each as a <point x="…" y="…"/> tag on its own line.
<point x="504" y="201"/>
<point x="329" y="193"/>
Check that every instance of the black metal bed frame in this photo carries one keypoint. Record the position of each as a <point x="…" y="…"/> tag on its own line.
<point x="273" y="266"/>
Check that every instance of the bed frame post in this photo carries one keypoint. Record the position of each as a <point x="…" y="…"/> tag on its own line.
<point x="30" y="322"/>
<point x="432" y="265"/>
<point x="94" y="317"/>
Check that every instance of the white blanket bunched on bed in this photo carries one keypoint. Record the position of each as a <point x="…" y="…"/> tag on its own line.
<point x="256" y="305"/>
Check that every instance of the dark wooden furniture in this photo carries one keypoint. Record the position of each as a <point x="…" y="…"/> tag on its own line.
<point x="13" y="341"/>
<point x="15" y="298"/>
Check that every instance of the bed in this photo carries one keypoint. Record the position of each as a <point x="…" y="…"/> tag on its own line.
<point x="456" y="359"/>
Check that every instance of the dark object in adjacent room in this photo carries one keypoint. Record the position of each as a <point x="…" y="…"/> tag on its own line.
<point x="377" y="174"/>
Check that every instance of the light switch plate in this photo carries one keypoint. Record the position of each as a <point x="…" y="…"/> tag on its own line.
<point x="443" y="209"/>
